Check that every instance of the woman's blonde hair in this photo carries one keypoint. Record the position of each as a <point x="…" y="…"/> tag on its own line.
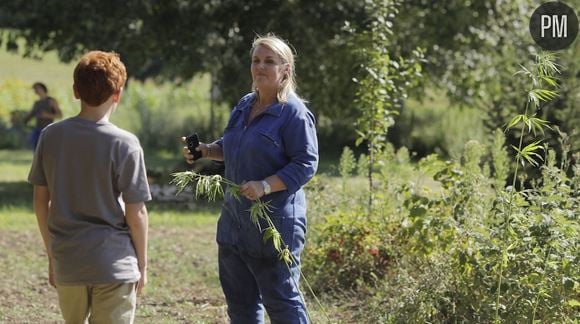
<point x="286" y="54"/>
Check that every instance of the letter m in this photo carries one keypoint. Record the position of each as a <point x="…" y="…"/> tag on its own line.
<point x="560" y="27"/>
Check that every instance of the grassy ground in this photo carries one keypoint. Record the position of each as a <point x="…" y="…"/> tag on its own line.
<point x="183" y="280"/>
<point x="183" y="284"/>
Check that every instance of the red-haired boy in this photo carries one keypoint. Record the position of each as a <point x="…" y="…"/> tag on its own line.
<point x="90" y="187"/>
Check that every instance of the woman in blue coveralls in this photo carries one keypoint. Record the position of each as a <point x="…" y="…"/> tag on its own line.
<point x="269" y="146"/>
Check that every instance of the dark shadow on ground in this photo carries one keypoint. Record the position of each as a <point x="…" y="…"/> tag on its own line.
<point x="16" y="194"/>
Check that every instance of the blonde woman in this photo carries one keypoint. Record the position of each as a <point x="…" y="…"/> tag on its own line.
<point x="269" y="145"/>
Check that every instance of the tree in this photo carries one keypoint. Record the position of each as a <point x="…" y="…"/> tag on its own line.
<point x="471" y="47"/>
<point x="384" y="85"/>
<point x="475" y="47"/>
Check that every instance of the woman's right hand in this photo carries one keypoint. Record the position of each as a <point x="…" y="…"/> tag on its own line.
<point x="187" y="153"/>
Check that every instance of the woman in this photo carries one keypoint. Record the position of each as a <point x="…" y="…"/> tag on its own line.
<point x="269" y="146"/>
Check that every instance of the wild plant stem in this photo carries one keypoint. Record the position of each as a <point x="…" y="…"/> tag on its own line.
<point x="319" y="304"/>
<point x="537" y="301"/>
<point x="499" y="281"/>
<point x="370" y="171"/>
<point x="508" y="217"/>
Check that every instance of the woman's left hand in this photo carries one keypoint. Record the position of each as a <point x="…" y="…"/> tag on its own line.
<point x="252" y="190"/>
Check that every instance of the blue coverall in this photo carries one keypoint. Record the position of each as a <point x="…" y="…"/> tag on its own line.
<point x="280" y="141"/>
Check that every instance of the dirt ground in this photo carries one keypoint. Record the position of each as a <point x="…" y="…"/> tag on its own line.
<point x="183" y="285"/>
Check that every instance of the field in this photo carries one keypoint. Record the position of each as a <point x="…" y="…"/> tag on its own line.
<point x="476" y="233"/>
<point x="183" y="284"/>
<point x="183" y="281"/>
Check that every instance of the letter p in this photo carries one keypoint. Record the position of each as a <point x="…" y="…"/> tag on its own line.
<point x="546" y="24"/>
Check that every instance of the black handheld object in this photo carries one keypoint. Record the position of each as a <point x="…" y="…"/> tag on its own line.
<point x="192" y="143"/>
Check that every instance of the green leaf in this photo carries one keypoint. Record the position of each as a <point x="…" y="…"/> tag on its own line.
<point x="276" y="240"/>
<point x="544" y="94"/>
<point x="182" y="179"/>
<point x="235" y="192"/>
<point x="514" y="121"/>
<point x="549" y="80"/>
<point x="528" y="153"/>
<point x="285" y="256"/>
<point x="539" y="124"/>
<point x="574" y="303"/>
<point x="526" y="122"/>
<point x="268" y="233"/>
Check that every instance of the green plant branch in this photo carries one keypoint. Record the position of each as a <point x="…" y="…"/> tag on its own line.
<point x="541" y="74"/>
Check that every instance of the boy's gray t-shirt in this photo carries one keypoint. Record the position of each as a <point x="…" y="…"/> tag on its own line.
<point x="90" y="169"/>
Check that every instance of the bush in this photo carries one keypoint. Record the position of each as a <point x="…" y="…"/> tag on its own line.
<point x="468" y="248"/>
<point x="436" y="252"/>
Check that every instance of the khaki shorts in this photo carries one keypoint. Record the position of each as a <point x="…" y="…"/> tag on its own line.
<point x="108" y="303"/>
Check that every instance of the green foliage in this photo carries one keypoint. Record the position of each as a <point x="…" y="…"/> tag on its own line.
<point x="384" y="84"/>
<point x="15" y="95"/>
<point x="436" y="254"/>
<point x="353" y="253"/>
<point x="160" y="114"/>
<point x="433" y="124"/>
<point x="500" y="159"/>
<point x="467" y="248"/>
<point x="346" y="165"/>
<point x="362" y="165"/>
<point x="175" y="40"/>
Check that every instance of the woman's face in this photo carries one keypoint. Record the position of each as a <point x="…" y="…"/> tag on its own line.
<point x="268" y="70"/>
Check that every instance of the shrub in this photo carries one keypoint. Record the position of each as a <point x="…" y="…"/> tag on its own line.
<point x="465" y="247"/>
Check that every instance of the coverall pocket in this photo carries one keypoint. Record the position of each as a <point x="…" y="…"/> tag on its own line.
<point x="269" y="138"/>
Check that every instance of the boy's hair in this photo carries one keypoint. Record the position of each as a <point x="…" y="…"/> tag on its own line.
<point x="40" y="85"/>
<point x="99" y="75"/>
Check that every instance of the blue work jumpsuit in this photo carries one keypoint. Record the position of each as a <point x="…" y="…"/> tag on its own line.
<point x="282" y="141"/>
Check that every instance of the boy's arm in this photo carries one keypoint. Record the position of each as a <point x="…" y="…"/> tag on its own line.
<point x="137" y="219"/>
<point x="41" y="204"/>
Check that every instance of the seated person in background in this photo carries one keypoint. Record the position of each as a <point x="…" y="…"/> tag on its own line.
<point x="45" y="110"/>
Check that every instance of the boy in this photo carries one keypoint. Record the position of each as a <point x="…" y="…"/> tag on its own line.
<point x="90" y="186"/>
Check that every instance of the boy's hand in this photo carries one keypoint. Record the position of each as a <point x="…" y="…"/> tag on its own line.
<point x="51" y="275"/>
<point x="142" y="282"/>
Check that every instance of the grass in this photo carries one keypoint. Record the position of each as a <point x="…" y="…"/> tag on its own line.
<point x="14" y="165"/>
<point x="423" y="121"/>
<point x="31" y="70"/>
<point x="183" y="282"/>
<point x="183" y="279"/>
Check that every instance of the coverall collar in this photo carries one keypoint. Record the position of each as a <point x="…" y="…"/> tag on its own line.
<point x="275" y="109"/>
